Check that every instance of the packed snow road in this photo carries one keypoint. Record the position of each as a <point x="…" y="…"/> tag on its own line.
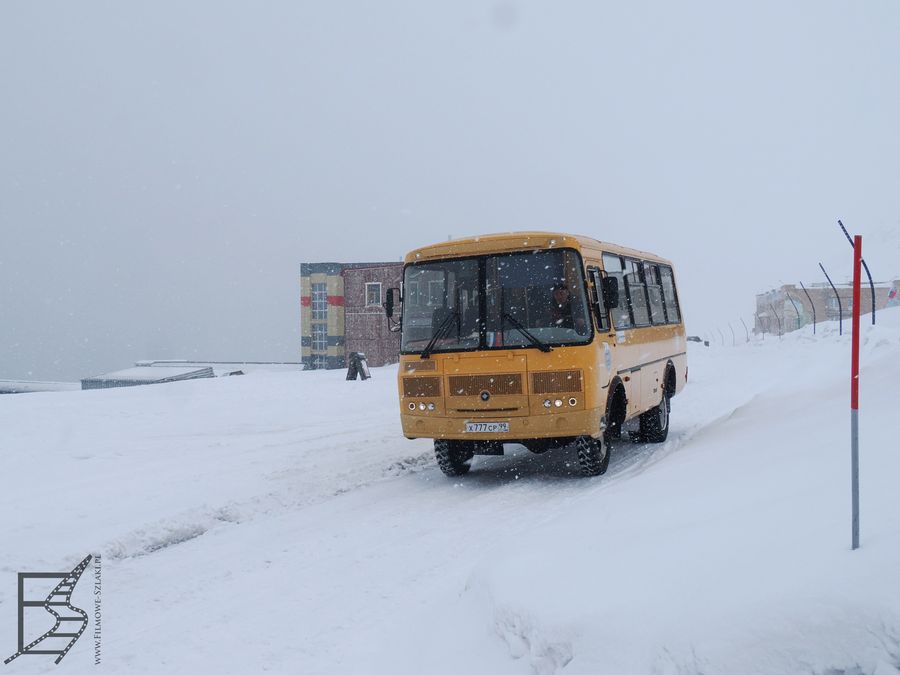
<point x="280" y="523"/>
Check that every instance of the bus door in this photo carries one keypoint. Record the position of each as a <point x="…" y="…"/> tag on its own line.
<point x="625" y="340"/>
<point x="605" y="341"/>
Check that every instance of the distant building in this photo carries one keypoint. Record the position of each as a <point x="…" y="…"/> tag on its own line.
<point x="341" y="312"/>
<point x="132" y="377"/>
<point x="788" y="308"/>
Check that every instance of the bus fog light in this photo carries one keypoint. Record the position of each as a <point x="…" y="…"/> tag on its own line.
<point x="573" y="401"/>
<point x="431" y="406"/>
<point x="558" y="403"/>
<point x="421" y="406"/>
<point x="547" y="403"/>
<point x="412" y="406"/>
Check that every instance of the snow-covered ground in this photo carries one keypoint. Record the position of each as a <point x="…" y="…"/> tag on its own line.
<point x="279" y="522"/>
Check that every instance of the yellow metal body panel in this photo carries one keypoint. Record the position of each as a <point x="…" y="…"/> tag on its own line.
<point x="524" y="241"/>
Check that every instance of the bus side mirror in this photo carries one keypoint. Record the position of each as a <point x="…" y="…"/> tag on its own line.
<point x="389" y="302"/>
<point x="610" y="292"/>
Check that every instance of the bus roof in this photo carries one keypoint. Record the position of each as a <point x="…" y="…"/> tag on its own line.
<point x="523" y="241"/>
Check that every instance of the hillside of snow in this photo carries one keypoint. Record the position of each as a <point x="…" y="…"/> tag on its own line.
<point x="279" y="522"/>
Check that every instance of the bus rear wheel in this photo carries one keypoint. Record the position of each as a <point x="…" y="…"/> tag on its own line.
<point x="655" y="422"/>
<point x="593" y="455"/>
<point x="454" y="457"/>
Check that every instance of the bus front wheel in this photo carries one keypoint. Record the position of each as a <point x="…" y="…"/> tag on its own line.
<point x="454" y="457"/>
<point x="593" y="455"/>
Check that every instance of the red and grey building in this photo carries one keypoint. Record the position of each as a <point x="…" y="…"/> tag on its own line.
<point x="341" y="312"/>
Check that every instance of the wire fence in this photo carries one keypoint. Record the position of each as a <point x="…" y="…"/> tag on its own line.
<point x="795" y="307"/>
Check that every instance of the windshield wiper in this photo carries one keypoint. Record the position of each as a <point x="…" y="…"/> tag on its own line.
<point x="524" y="331"/>
<point x="439" y="333"/>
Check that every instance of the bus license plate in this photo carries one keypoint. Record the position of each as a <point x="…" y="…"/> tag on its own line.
<point x="487" y="427"/>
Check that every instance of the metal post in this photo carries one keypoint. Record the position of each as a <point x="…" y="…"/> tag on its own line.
<point x="780" y="329"/>
<point x="854" y="394"/>
<point x="746" y="329"/>
<point x="840" y="307"/>
<point x="811" y="304"/>
<point x="866" y="267"/>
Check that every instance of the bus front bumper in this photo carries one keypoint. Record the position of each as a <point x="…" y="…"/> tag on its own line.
<point x="556" y="425"/>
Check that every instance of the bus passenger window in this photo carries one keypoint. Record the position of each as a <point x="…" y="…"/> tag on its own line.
<point x="636" y="293"/>
<point x="654" y="293"/>
<point x="620" y="316"/>
<point x="673" y="312"/>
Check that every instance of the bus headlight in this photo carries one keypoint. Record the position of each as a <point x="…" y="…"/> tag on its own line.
<point x="573" y="401"/>
<point x="412" y="406"/>
<point x="431" y="406"/>
<point x="558" y="403"/>
<point x="547" y="403"/>
<point x="422" y="407"/>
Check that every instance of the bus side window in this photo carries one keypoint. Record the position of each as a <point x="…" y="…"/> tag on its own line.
<point x="670" y="296"/>
<point x="596" y="289"/>
<point x="637" y="294"/>
<point x="620" y="316"/>
<point x="654" y="294"/>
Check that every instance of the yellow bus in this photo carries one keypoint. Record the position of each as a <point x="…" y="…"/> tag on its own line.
<point x="536" y="338"/>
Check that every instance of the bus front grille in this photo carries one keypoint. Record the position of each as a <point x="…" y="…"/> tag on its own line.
<point x="415" y="387"/>
<point x="556" y="382"/>
<point x="472" y="385"/>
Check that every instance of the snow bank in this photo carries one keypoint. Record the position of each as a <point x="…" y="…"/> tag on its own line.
<point x="279" y="522"/>
<point x="732" y="555"/>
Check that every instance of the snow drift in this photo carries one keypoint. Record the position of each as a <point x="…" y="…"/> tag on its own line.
<point x="279" y="522"/>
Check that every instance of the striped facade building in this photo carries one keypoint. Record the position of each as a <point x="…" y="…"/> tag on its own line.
<point x="341" y="312"/>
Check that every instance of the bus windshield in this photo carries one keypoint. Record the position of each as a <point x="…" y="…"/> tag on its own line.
<point x="536" y="298"/>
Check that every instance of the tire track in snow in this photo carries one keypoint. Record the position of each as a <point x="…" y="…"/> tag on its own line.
<point x="557" y="469"/>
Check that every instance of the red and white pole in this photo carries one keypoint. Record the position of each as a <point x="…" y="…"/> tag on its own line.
<point x="854" y="391"/>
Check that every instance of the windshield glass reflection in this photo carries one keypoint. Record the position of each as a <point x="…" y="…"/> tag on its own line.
<point x="489" y="300"/>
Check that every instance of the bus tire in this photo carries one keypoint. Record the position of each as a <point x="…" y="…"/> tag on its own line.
<point x="655" y="422"/>
<point x="593" y="455"/>
<point x="454" y="458"/>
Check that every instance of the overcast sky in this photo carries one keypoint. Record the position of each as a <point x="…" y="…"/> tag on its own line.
<point x="165" y="167"/>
